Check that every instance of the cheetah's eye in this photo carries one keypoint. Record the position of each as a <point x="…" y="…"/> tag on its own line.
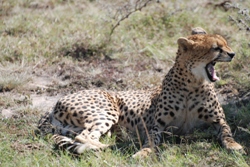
<point x="218" y="49"/>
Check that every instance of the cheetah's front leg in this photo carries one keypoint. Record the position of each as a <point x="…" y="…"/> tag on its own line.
<point x="151" y="142"/>
<point x="225" y="135"/>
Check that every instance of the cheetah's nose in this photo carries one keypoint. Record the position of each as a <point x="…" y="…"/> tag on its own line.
<point x="231" y="54"/>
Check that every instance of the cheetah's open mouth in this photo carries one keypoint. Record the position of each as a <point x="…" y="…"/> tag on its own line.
<point x="211" y="72"/>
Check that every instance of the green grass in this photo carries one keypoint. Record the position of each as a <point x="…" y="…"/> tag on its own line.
<point x="50" y="48"/>
<point x="20" y="147"/>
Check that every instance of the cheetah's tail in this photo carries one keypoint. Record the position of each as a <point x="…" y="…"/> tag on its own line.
<point x="77" y="147"/>
<point x="49" y="125"/>
<point x="44" y="125"/>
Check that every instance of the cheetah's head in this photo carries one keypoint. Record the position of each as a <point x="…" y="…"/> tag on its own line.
<point x="200" y="52"/>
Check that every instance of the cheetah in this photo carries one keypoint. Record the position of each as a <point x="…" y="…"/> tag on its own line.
<point x="185" y="99"/>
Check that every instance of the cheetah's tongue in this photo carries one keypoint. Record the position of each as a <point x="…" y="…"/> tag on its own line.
<point x="212" y="72"/>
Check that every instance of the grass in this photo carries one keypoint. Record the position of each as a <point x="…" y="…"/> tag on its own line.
<point x="14" y="76"/>
<point x="51" y="48"/>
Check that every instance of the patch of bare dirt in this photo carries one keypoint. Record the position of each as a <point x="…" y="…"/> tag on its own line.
<point x="7" y="113"/>
<point x="44" y="102"/>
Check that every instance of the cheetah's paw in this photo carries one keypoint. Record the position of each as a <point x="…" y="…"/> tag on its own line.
<point x="145" y="152"/>
<point x="234" y="146"/>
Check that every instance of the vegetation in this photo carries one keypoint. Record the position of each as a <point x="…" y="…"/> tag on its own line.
<point x="50" y="48"/>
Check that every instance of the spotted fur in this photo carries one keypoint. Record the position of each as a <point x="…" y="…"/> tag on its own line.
<point x="185" y="99"/>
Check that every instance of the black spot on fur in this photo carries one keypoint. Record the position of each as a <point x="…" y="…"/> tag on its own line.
<point x="171" y="114"/>
<point x="98" y="123"/>
<point x="67" y="117"/>
<point x="56" y="111"/>
<point x="72" y="122"/>
<point x="132" y="123"/>
<point x="170" y="107"/>
<point x="200" y="109"/>
<point x="176" y="108"/>
<point x="74" y="114"/>
<point x="60" y="115"/>
<point x="128" y="120"/>
<point x="131" y="112"/>
<point x="162" y="123"/>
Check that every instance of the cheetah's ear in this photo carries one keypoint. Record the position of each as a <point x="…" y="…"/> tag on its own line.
<point x="184" y="44"/>
<point x="198" y="30"/>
